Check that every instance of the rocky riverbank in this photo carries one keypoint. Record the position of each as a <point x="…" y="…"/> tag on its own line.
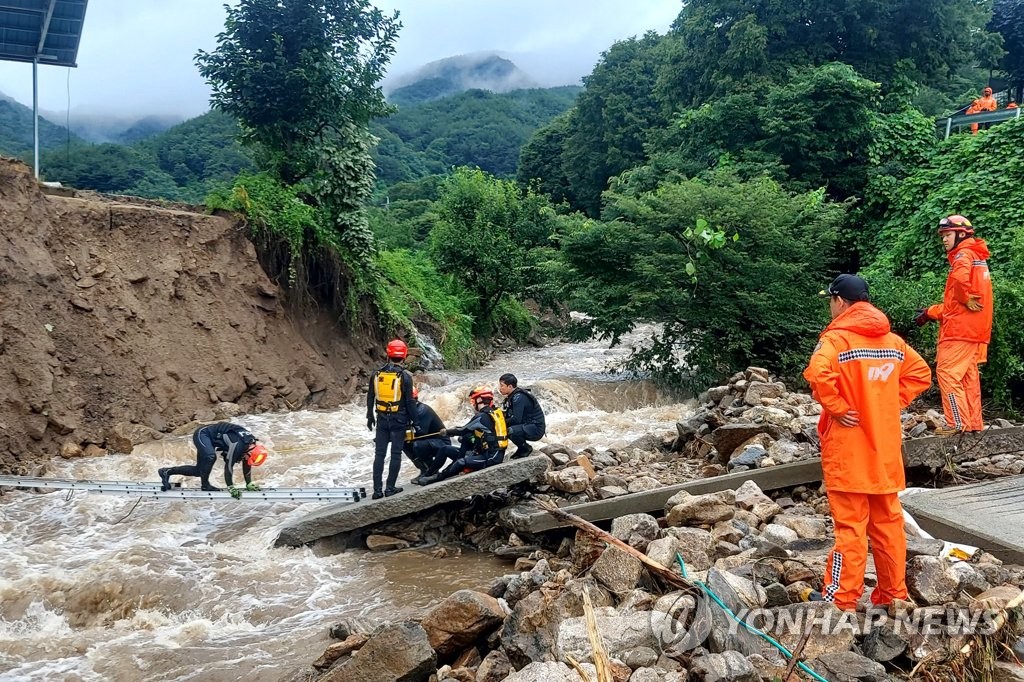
<point x="748" y="556"/>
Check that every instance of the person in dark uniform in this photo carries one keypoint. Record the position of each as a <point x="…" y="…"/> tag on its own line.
<point x="426" y="450"/>
<point x="389" y="404"/>
<point x="235" y="444"/>
<point x="524" y="414"/>
<point x="482" y="440"/>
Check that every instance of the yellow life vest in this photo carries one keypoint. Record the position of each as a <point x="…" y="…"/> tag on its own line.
<point x="388" y="391"/>
<point x="500" y="429"/>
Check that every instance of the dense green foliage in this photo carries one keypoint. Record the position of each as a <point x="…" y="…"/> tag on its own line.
<point x="804" y="129"/>
<point x="738" y="296"/>
<point x="16" y="131"/>
<point x="977" y="176"/>
<point x="484" y="235"/>
<point x="1008" y="21"/>
<point x="476" y="128"/>
<point x="182" y="164"/>
<point x="415" y="292"/>
<point x="302" y="80"/>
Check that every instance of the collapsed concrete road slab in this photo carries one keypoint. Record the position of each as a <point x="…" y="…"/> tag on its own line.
<point x="934" y="452"/>
<point x="522" y="519"/>
<point x="988" y="515"/>
<point x="348" y="518"/>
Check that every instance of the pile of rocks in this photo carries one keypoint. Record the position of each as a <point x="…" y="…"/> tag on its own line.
<point x="757" y="555"/>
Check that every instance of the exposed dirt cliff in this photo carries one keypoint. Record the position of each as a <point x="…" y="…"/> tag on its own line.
<point x="117" y="317"/>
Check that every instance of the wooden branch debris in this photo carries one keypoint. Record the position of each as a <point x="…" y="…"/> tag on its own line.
<point x="654" y="567"/>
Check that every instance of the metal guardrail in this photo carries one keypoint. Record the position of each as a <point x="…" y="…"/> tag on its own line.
<point x="964" y="120"/>
<point x="152" y="490"/>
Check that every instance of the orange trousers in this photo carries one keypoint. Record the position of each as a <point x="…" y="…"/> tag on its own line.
<point x="858" y="517"/>
<point x="956" y="369"/>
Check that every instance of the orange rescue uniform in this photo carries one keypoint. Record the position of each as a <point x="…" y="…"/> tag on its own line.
<point x="964" y="335"/>
<point x="986" y="103"/>
<point x="860" y="365"/>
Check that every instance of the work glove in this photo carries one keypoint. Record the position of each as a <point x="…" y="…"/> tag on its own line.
<point x="974" y="303"/>
<point x="369" y="423"/>
<point x="922" y="317"/>
<point x="235" y="492"/>
<point x="252" y="486"/>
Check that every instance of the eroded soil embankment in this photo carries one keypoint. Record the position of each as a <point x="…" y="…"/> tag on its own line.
<point x="118" y="318"/>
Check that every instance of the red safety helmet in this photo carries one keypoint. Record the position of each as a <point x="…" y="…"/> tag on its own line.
<point x="956" y="223"/>
<point x="481" y="392"/>
<point x="397" y="349"/>
<point x="257" y="455"/>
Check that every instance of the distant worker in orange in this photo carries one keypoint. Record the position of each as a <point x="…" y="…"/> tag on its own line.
<point x="1012" y="104"/>
<point x="965" y="325"/>
<point x="984" y="103"/>
<point x="863" y="376"/>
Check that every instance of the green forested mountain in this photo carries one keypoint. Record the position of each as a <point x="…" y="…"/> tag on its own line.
<point x="16" y="131"/>
<point x="180" y="164"/>
<point x="473" y="128"/>
<point x="453" y="75"/>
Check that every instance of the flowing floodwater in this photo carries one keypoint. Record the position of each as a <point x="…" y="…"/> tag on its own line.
<point x="195" y="590"/>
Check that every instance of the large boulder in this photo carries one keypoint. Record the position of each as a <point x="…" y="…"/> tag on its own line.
<point x="530" y="632"/>
<point x="684" y="509"/>
<point x="696" y="546"/>
<point x="729" y="666"/>
<point x="618" y="571"/>
<point x="730" y="436"/>
<point x="400" y="652"/>
<point x="620" y="632"/>
<point x="751" y="498"/>
<point x="123" y="436"/>
<point x="846" y="666"/>
<point x="636" y="530"/>
<point x="805" y="526"/>
<point x="833" y="630"/>
<point x="931" y="580"/>
<point x="546" y="671"/>
<point x="573" y="479"/>
<point x="460" y="620"/>
<point x="494" y="668"/>
<point x="759" y="390"/>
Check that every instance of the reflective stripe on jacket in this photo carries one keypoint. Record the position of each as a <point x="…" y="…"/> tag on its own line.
<point x="860" y="365"/>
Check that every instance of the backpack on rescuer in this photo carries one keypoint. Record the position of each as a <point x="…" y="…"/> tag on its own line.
<point x="388" y="391"/>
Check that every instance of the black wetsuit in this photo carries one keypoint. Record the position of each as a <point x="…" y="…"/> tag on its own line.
<point x="391" y="428"/>
<point x="232" y="441"/>
<point x="426" y="453"/>
<point x="474" y="452"/>
<point x="525" y="419"/>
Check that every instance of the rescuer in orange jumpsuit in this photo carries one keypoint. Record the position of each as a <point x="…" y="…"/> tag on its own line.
<point x="863" y="376"/>
<point x="984" y="103"/>
<point x="965" y="325"/>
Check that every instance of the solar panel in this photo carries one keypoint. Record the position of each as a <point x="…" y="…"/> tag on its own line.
<point x="49" y="30"/>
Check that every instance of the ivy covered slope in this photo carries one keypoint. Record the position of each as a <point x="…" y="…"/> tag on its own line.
<point x="721" y="174"/>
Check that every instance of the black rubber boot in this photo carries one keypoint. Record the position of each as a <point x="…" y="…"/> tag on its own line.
<point x="524" y="451"/>
<point x="165" y="479"/>
<point x="209" y="488"/>
<point x="376" y="495"/>
<point x="388" y="492"/>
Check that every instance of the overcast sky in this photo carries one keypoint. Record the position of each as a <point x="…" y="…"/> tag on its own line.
<point x="136" y="56"/>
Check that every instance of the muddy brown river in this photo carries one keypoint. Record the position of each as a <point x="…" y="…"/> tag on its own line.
<point x="195" y="590"/>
